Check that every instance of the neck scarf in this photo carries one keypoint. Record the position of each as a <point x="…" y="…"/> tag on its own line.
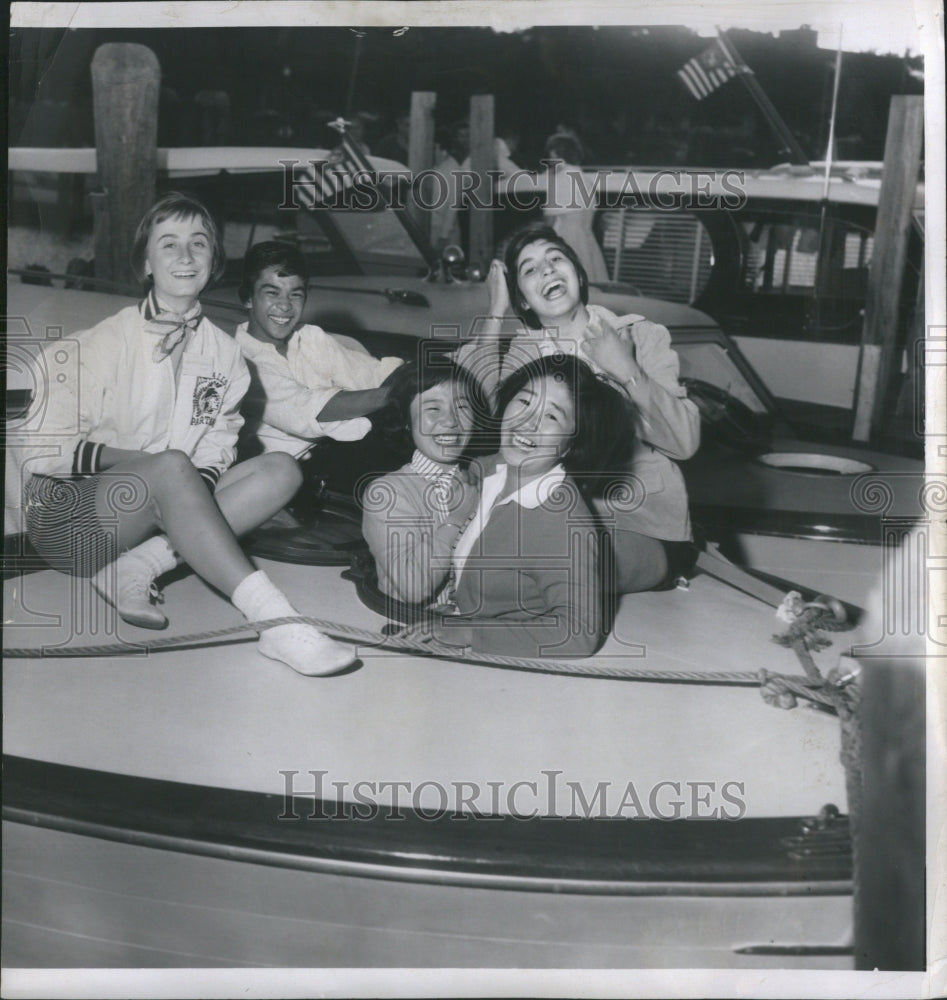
<point x="170" y="327"/>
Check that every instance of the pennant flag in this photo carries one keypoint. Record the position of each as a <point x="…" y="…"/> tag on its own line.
<point x="329" y="179"/>
<point x="709" y="70"/>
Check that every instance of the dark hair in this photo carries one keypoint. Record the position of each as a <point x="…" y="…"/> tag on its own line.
<point x="604" y="415"/>
<point x="516" y="243"/>
<point x="564" y="147"/>
<point x="175" y="205"/>
<point x="459" y="148"/>
<point x="434" y="367"/>
<point x="288" y="260"/>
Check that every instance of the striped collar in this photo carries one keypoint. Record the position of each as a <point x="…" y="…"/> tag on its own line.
<point x="151" y="308"/>
<point x="427" y="468"/>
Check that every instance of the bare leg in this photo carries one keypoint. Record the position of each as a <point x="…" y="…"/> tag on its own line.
<point x="164" y="492"/>
<point x="253" y="491"/>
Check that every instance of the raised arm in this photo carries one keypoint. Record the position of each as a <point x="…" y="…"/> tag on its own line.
<point x="641" y="358"/>
<point x="482" y="354"/>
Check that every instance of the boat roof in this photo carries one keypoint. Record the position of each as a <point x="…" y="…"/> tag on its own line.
<point x="851" y="181"/>
<point x="656" y="186"/>
<point x="194" y="161"/>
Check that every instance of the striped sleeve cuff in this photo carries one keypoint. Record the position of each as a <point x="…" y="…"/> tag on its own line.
<point x="210" y="477"/>
<point x="87" y="458"/>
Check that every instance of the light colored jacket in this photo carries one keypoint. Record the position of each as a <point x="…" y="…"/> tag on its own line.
<point x="122" y="398"/>
<point x="668" y="428"/>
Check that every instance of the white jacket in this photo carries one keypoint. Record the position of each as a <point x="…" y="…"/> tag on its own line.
<point x="122" y="398"/>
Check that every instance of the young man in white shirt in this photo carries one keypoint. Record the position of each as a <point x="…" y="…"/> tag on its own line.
<point x="306" y="384"/>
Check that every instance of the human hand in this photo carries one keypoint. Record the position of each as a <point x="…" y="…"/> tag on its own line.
<point x="496" y="286"/>
<point x="605" y="348"/>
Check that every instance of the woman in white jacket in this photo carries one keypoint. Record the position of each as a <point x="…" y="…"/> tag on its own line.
<point x="132" y="470"/>
<point x="543" y="282"/>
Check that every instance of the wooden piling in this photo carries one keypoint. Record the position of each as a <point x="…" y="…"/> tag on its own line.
<point x="421" y="150"/>
<point x="890" y="852"/>
<point x="895" y="205"/>
<point x="481" y="160"/>
<point x="125" y="83"/>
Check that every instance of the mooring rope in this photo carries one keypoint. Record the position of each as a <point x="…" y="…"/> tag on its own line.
<point x="401" y="643"/>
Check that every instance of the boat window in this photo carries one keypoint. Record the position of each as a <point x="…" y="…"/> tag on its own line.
<point x="783" y="254"/>
<point x="710" y="362"/>
<point x="380" y="238"/>
<point x="665" y="255"/>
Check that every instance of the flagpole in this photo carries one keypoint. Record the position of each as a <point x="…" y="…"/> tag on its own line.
<point x="353" y="76"/>
<point x="790" y="143"/>
<point x="831" y="145"/>
<point x="822" y="263"/>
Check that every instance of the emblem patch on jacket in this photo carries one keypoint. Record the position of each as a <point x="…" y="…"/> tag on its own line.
<point x="208" y="395"/>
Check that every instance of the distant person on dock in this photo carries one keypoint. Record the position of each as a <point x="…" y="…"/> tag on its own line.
<point x="567" y="208"/>
<point x="394" y="145"/>
<point x="451" y="146"/>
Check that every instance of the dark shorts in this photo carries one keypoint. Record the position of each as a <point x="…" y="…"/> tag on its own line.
<point x="681" y="557"/>
<point x="63" y="526"/>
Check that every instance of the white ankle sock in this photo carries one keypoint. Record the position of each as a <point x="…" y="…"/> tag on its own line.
<point x="260" y="599"/>
<point x="157" y="553"/>
<point x="300" y="646"/>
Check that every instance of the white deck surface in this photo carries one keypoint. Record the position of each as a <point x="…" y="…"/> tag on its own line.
<point x="228" y="717"/>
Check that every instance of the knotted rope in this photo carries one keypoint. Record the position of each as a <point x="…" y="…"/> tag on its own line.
<point x="837" y="691"/>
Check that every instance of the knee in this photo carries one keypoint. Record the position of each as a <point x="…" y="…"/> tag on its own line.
<point x="282" y="471"/>
<point x="166" y="468"/>
<point x="172" y="466"/>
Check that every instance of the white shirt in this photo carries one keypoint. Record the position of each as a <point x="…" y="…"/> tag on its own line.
<point x="298" y="386"/>
<point x="117" y="395"/>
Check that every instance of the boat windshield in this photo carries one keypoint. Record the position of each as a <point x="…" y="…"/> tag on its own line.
<point x="339" y="238"/>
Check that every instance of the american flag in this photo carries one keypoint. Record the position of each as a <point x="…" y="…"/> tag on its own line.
<point x="330" y="178"/>
<point x="709" y="70"/>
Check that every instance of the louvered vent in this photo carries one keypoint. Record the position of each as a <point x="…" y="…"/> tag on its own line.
<point x="664" y="254"/>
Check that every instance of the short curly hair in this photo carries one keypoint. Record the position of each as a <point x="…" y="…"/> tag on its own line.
<point x="516" y="244"/>
<point x="289" y="261"/>
<point x="175" y="205"/>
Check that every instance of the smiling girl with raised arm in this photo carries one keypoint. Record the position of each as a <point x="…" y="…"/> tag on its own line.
<point x="542" y="281"/>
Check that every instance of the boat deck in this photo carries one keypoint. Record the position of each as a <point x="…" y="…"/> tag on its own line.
<point x="224" y="716"/>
